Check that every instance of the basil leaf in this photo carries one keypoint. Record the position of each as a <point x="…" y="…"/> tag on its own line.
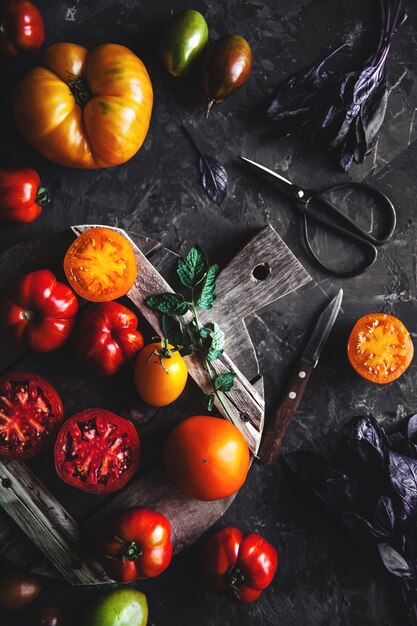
<point x="209" y="401"/>
<point x="213" y="178"/>
<point x="172" y="330"/>
<point x="224" y="382"/>
<point x="204" y="333"/>
<point x="214" y="354"/>
<point x="169" y="303"/>
<point x="207" y="295"/>
<point x="191" y="270"/>
<point x="217" y="342"/>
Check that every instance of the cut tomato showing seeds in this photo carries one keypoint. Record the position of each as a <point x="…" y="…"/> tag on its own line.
<point x="30" y="415"/>
<point x="380" y="348"/>
<point x="97" y="451"/>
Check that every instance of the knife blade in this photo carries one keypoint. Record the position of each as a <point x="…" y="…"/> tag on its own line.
<point x="272" y="439"/>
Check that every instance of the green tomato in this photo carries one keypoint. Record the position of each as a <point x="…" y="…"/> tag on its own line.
<point x="124" y="607"/>
<point x="182" y="41"/>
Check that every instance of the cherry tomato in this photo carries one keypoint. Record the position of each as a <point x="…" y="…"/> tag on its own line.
<point x="30" y="415"/>
<point x="47" y="616"/>
<point x="136" y="544"/>
<point x="160" y="374"/>
<point x="21" y="195"/>
<point x="206" y="457"/>
<point x="100" y="265"/>
<point x="38" y="311"/>
<point x="239" y="566"/>
<point x="17" y="590"/>
<point x="107" y="337"/>
<point x="97" y="451"/>
<point x="21" y="28"/>
<point x="380" y="348"/>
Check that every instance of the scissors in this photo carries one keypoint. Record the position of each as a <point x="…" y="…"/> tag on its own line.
<point x="305" y="199"/>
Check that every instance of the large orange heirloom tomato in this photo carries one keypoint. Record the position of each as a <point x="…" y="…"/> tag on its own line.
<point x="85" y="109"/>
<point x="206" y="457"/>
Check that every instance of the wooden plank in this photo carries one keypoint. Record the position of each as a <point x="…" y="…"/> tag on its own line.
<point x="262" y="272"/>
<point x="246" y="406"/>
<point x="46" y="522"/>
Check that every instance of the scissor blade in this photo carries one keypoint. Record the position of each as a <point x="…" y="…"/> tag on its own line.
<point x="322" y="330"/>
<point x="261" y="169"/>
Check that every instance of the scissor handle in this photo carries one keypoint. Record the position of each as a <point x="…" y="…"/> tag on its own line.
<point x="371" y="249"/>
<point x="382" y="199"/>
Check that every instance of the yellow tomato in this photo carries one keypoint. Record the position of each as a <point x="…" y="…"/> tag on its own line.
<point x="85" y="109"/>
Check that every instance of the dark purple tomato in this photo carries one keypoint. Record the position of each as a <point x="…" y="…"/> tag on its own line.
<point x="47" y="616"/>
<point x="226" y="67"/>
<point x="17" y="590"/>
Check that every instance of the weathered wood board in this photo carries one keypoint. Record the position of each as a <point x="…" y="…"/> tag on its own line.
<point x="54" y="515"/>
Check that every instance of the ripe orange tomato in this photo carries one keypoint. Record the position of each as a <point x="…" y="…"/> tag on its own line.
<point x="100" y="265"/>
<point x="380" y="348"/>
<point x="159" y="375"/>
<point x="85" y="109"/>
<point x="206" y="457"/>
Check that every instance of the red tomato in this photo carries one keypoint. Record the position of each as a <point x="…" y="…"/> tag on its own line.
<point x="107" y="337"/>
<point x="206" y="457"/>
<point x="21" y="28"/>
<point x="97" y="451"/>
<point x="38" y="311"/>
<point x="137" y="544"/>
<point x="30" y="415"/>
<point x="239" y="566"/>
<point x="21" y="195"/>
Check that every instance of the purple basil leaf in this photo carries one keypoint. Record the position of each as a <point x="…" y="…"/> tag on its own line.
<point x="403" y="477"/>
<point x="213" y="174"/>
<point x="373" y="114"/>
<point x="357" y="522"/>
<point x="395" y="562"/>
<point x="384" y="516"/>
<point x="213" y="178"/>
<point x="412" y="429"/>
<point x="300" y="90"/>
<point x="366" y="443"/>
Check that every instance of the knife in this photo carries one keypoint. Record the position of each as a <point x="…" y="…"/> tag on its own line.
<point x="272" y="439"/>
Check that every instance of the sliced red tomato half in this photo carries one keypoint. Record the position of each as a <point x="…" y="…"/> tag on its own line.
<point x="30" y="415"/>
<point x="97" y="451"/>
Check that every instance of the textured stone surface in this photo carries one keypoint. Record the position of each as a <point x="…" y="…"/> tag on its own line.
<point x="326" y="577"/>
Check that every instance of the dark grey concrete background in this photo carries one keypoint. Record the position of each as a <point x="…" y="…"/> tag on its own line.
<point x="326" y="576"/>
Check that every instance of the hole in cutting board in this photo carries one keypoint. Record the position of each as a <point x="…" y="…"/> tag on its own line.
<point x="261" y="272"/>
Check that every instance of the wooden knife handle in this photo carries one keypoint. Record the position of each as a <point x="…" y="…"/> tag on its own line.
<point x="272" y="439"/>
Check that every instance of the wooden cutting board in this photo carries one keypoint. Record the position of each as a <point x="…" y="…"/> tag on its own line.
<point x="45" y="524"/>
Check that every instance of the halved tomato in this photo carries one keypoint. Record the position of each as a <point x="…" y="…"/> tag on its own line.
<point x="97" y="451"/>
<point x="100" y="265"/>
<point x="30" y="415"/>
<point x="380" y="348"/>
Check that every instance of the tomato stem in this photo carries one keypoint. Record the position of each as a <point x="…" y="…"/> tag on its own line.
<point x="42" y="196"/>
<point x="129" y="551"/>
<point x="80" y="90"/>
<point x="29" y="315"/>
<point x="209" y="106"/>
